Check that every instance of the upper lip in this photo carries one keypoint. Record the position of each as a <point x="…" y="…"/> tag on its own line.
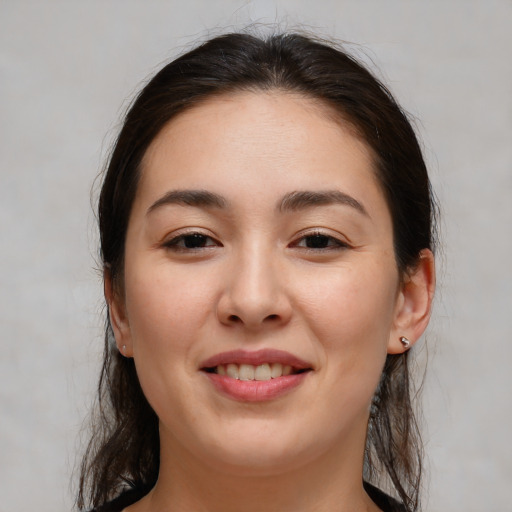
<point x="256" y="358"/>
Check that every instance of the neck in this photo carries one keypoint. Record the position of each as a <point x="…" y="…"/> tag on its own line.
<point x="331" y="482"/>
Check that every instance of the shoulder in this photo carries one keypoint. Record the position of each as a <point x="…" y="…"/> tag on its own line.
<point x="383" y="501"/>
<point x="124" y="500"/>
<point x="127" y="498"/>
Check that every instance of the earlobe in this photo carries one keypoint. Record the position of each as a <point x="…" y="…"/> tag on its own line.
<point x="117" y="316"/>
<point x="414" y="304"/>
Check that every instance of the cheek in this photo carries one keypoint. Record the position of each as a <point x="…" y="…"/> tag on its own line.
<point x="351" y="313"/>
<point x="347" y="304"/>
<point x="168" y="313"/>
<point x="166" y="310"/>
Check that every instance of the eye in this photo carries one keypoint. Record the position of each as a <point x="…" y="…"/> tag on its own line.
<point x="191" y="241"/>
<point x="320" y="241"/>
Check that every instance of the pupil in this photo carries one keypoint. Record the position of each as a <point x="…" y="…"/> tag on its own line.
<point x="317" y="241"/>
<point x="194" y="241"/>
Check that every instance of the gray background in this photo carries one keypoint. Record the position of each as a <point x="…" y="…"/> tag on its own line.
<point x="67" y="71"/>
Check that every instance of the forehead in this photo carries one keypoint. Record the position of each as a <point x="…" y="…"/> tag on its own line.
<point x="262" y="142"/>
<point x="277" y="108"/>
<point x="283" y="124"/>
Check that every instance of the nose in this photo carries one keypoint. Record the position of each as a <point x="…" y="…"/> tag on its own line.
<point x="254" y="293"/>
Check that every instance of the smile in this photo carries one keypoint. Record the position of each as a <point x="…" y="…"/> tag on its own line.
<point x="255" y="376"/>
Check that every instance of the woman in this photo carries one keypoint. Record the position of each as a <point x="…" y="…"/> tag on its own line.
<point x="266" y="235"/>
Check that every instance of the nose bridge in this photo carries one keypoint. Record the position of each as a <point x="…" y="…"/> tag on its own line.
<point x="254" y="292"/>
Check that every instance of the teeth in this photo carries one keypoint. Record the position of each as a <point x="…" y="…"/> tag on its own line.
<point x="262" y="372"/>
<point x="232" y="371"/>
<point x="246" y="372"/>
<point x="276" y="370"/>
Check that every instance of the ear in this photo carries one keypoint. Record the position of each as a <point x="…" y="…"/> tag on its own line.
<point x="117" y="315"/>
<point x="414" y="303"/>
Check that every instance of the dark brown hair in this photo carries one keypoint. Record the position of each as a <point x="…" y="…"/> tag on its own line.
<point x="124" y="449"/>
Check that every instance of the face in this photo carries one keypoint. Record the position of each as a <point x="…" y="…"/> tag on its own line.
<point x="261" y="293"/>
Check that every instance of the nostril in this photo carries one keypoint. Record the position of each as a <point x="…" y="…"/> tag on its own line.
<point x="234" y="318"/>
<point x="272" y="317"/>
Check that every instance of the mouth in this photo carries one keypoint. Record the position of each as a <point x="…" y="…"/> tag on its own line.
<point x="257" y="375"/>
<point x="265" y="364"/>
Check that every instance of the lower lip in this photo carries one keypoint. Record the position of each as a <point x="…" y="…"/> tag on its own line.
<point x="256" y="390"/>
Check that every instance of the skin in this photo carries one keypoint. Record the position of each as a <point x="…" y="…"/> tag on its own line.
<point x="255" y="282"/>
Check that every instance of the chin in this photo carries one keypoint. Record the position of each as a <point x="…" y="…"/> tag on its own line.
<point x="261" y="451"/>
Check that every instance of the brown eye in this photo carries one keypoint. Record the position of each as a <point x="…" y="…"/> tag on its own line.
<point x="319" y="241"/>
<point x="191" y="241"/>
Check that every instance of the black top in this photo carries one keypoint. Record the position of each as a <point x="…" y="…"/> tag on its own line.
<point x="383" y="501"/>
<point x="127" y="498"/>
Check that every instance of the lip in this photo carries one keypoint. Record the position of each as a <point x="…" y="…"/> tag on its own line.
<point x="253" y="390"/>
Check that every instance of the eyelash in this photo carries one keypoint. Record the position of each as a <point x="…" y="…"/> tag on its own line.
<point x="201" y="241"/>
<point x="178" y="243"/>
<point x="333" y="243"/>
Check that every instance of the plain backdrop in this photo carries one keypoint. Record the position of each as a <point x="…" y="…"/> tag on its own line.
<point x="67" y="71"/>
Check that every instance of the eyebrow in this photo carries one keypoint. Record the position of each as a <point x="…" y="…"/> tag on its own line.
<point x="293" y="201"/>
<point x="197" y="198"/>
<point x="301" y="200"/>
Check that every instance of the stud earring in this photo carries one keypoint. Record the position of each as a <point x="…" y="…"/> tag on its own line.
<point x="123" y="350"/>
<point x="405" y="342"/>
